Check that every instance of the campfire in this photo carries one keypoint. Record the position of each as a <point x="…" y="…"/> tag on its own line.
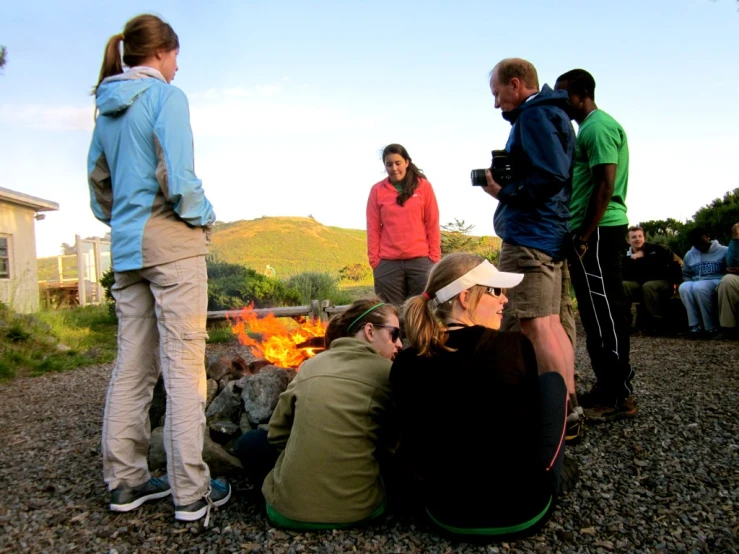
<point x="283" y="342"/>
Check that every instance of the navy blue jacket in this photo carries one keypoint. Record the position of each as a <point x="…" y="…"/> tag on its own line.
<point x="535" y="207"/>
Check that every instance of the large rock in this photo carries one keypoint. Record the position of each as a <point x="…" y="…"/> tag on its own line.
<point x="261" y="392"/>
<point x="227" y="405"/>
<point x="212" y="392"/>
<point x="229" y="365"/>
<point x="220" y="462"/>
<point x="223" y="431"/>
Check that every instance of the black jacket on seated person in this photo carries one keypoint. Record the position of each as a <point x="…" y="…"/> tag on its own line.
<point x="471" y="428"/>
<point x="658" y="264"/>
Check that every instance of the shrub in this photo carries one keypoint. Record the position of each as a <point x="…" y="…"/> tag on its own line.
<point x="355" y="273"/>
<point x="232" y="286"/>
<point x="312" y="285"/>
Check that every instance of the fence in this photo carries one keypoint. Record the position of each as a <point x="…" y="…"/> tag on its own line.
<point x="322" y="310"/>
<point x="74" y="279"/>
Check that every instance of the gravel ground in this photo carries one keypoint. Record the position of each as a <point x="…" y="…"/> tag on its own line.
<point x="667" y="481"/>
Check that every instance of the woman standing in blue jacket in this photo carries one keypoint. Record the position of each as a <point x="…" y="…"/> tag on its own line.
<point x="143" y="185"/>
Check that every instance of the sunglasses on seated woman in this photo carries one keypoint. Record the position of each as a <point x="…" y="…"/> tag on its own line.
<point x="494" y="291"/>
<point x="395" y="331"/>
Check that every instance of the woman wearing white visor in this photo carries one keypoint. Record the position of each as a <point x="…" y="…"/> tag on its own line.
<point x="482" y="431"/>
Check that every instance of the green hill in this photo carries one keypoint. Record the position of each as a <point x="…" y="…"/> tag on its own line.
<point x="289" y="244"/>
<point x="295" y="244"/>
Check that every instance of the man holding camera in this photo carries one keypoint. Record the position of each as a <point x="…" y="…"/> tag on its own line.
<point x="533" y="210"/>
<point x="598" y="223"/>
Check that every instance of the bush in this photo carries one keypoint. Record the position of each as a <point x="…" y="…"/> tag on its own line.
<point x="232" y="286"/>
<point x="355" y="273"/>
<point x="106" y="281"/>
<point x="312" y="285"/>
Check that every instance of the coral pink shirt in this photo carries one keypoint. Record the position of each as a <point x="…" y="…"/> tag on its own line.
<point x="402" y="232"/>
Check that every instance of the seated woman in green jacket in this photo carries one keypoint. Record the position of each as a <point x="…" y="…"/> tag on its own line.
<point x="330" y="426"/>
<point x="482" y="431"/>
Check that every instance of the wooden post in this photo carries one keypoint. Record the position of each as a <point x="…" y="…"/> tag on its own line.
<point x="80" y="271"/>
<point x="324" y="314"/>
<point x="60" y="268"/>
<point x="98" y="271"/>
<point x="315" y="310"/>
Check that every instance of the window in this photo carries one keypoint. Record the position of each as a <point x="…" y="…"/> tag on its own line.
<point x="4" y="257"/>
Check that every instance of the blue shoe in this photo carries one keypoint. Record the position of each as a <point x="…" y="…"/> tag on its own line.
<point x="218" y="495"/>
<point x="125" y="499"/>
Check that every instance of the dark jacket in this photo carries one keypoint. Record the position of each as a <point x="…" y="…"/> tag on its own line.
<point x="470" y="422"/>
<point x="534" y="209"/>
<point x="658" y="264"/>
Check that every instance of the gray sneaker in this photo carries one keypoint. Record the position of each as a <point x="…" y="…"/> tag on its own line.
<point x="125" y="499"/>
<point x="218" y="495"/>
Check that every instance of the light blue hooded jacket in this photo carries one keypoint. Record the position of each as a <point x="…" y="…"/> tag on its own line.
<point x="705" y="266"/>
<point x="141" y="172"/>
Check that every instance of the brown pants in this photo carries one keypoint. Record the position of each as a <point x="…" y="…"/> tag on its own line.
<point x="162" y="312"/>
<point x="728" y="301"/>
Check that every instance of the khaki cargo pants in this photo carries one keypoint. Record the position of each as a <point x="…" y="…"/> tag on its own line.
<point x="161" y="312"/>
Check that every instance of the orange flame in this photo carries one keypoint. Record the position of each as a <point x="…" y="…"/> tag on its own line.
<point x="276" y="339"/>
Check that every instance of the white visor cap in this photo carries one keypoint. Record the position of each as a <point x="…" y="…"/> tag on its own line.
<point x="485" y="274"/>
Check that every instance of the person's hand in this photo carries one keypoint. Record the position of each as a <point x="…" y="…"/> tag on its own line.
<point x="735" y="231"/>
<point x="580" y="245"/>
<point x="492" y="187"/>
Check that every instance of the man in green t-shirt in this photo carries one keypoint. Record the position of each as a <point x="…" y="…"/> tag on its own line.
<point x="598" y="222"/>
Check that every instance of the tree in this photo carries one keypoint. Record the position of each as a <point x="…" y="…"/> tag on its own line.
<point x="716" y="218"/>
<point x="3" y="56"/>
<point x="454" y="237"/>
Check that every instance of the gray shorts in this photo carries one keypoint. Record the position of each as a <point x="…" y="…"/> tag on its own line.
<point x="540" y="292"/>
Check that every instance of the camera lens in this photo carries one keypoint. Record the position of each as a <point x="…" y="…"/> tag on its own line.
<point x="477" y="176"/>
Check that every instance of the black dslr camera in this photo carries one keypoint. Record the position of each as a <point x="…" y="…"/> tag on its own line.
<point x="501" y="168"/>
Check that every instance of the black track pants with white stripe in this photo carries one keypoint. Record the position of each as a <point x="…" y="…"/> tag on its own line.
<point x="604" y="309"/>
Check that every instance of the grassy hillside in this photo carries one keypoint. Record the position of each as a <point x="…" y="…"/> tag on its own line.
<point x="289" y="244"/>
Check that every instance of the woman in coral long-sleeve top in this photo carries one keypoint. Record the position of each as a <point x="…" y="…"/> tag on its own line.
<point x="403" y="237"/>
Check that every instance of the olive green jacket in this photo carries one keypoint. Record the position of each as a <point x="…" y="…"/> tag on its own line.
<point x="328" y="424"/>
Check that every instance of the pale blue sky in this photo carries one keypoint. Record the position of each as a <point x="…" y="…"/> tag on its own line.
<point x="293" y="101"/>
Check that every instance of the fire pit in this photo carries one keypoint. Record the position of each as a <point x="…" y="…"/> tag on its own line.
<point x="244" y="383"/>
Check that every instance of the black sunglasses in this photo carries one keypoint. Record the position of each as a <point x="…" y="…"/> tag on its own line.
<point x="395" y="335"/>
<point x="494" y="291"/>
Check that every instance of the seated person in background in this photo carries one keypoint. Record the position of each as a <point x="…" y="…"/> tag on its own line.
<point x="482" y="431"/>
<point x="728" y="291"/>
<point x="330" y="427"/>
<point x="703" y="267"/>
<point x="650" y="273"/>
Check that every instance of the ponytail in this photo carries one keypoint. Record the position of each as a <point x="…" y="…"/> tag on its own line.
<point x="112" y="62"/>
<point x="423" y="328"/>
<point x="142" y="37"/>
<point x="424" y="317"/>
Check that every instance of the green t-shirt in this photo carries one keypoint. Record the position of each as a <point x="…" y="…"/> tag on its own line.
<point x="600" y="140"/>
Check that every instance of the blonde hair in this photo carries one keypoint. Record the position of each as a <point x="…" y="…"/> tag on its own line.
<point x="424" y="319"/>
<point x="142" y="37"/>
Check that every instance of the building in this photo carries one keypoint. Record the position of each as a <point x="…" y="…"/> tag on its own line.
<point x="18" y="274"/>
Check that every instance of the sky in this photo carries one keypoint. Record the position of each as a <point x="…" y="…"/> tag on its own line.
<point x="292" y="101"/>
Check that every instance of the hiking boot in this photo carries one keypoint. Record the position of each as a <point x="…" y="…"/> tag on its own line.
<point x="218" y="495"/>
<point x="125" y="499"/>
<point x="570" y="475"/>
<point x="620" y="410"/>
<point x="575" y="429"/>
